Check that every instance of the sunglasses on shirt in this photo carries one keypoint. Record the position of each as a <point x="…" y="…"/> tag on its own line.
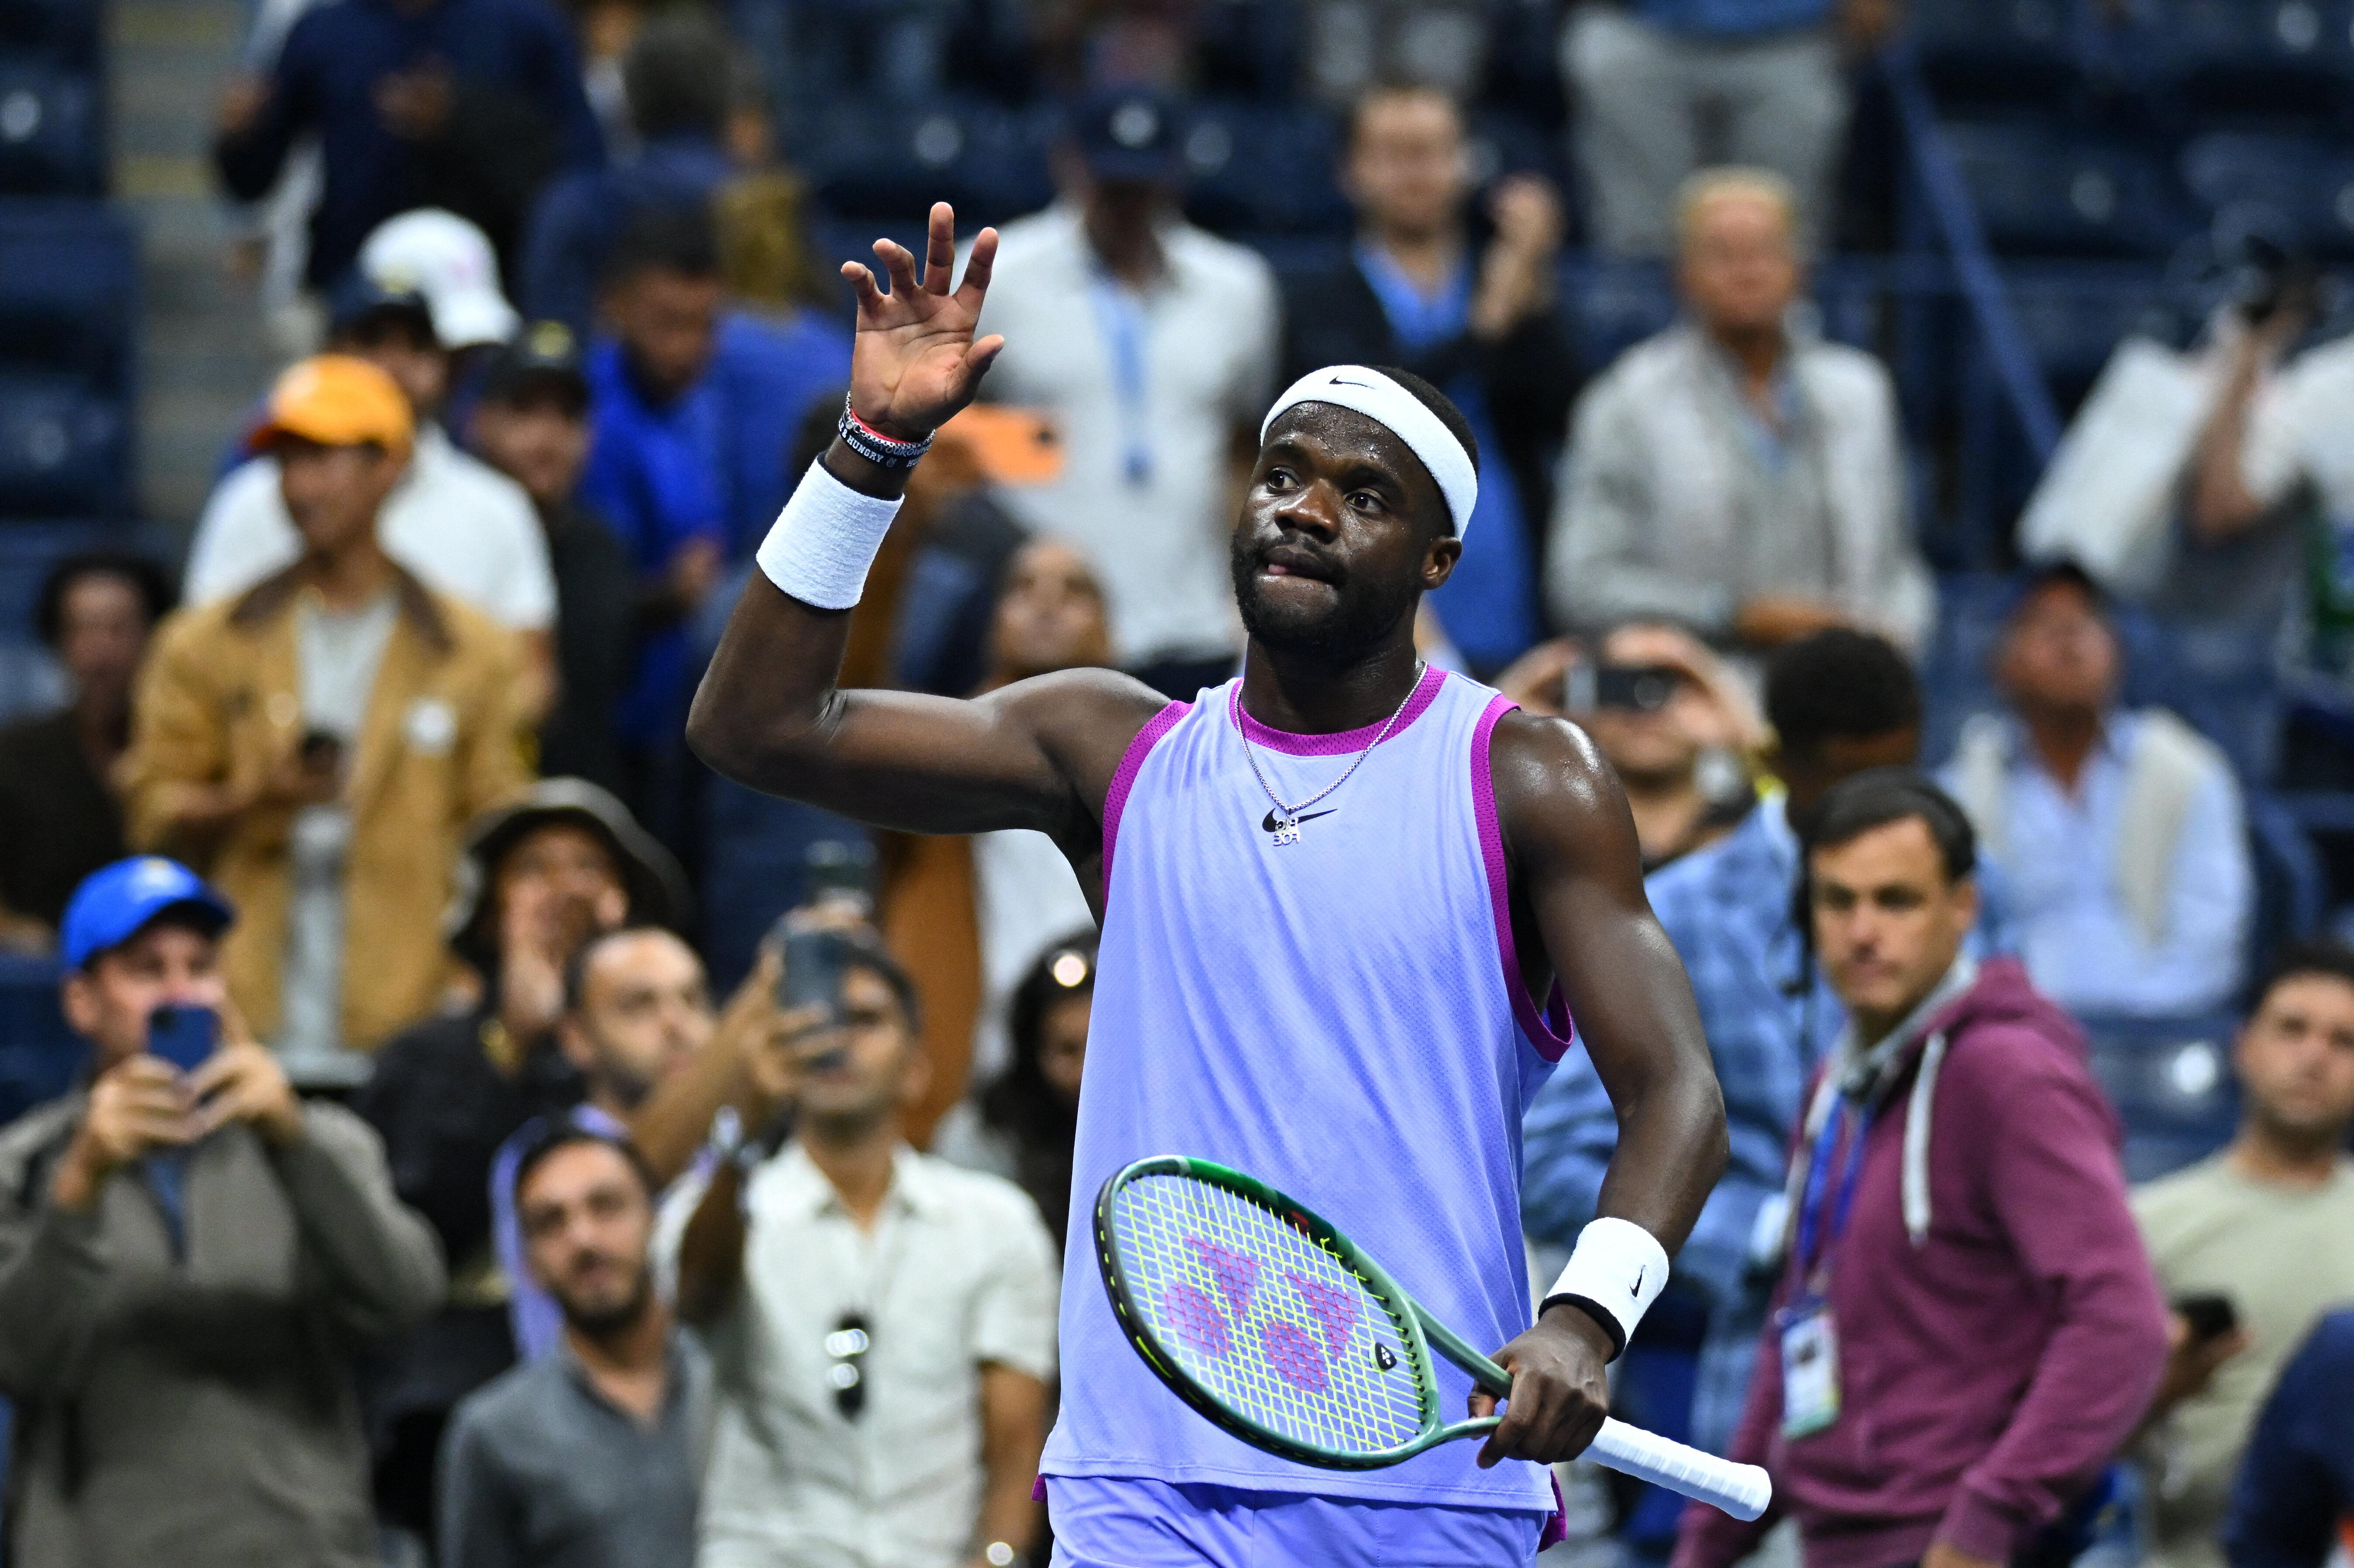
<point x="848" y="1345"/>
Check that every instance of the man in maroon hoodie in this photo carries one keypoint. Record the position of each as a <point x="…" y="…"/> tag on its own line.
<point x="1968" y="1330"/>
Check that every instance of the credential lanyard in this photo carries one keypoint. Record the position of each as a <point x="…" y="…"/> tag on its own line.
<point x="1121" y="316"/>
<point x="1817" y="1231"/>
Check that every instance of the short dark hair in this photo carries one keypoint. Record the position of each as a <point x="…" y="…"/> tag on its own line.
<point x="681" y="239"/>
<point x="1839" y="683"/>
<point x="679" y="78"/>
<point x="577" y="966"/>
<point x="565" y="1133"/>
<point x="1353" y="124"/>
<point x="147" y="580"/>
<point x="2324" y="957"/>
<point x="2061" y="573"/>
<point x="1880" y="796"/>
<point x="866" y="951"/>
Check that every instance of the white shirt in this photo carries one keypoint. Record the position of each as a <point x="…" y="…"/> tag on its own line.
<point x="958" y="1271"/>
<point x="465" y="528"/>
<point x="1208" y="330"/>
<point x="2301" y="428"/>
<point x="1025" y="899"/>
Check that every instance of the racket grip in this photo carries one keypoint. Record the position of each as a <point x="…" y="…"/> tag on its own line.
<point x="1741" y="1490"/>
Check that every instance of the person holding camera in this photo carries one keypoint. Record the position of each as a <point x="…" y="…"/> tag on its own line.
<point x="884" y="1322"/>
<point x="319" y="742"/>
<point x="188" y="1256"/>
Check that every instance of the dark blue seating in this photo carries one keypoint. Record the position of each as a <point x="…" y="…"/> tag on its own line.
<point x="69" y="290"/>
<point x="2291" y="189"/>
<point x="64" y="448"/>
<point x="52" y="140"/>
<point x="1985" y="53"/>
<point x="2278" y="61"/>
<point x="2045" y="188"/>
<point x="1613" y="305"/>
<point x="1253" y="165"/>
<point x="2170" y="1080"/>
<point x="39" y="1056"/>
<point x="2073" y="316"/>
<point x="64" y="31"/>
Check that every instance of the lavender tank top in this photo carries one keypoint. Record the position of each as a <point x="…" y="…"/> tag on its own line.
<point x="1342" y="1017"/>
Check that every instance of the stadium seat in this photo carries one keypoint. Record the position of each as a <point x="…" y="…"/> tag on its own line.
<point x="2254" y="60"/>
<point x="1613" y="305"/>
<point x="2170" y="1080"/>
<point x="39" y="1056"/>
<point x="64" y="31"/>
<point x="2291" y="884"/>
<point x="2291" y="189"/>
<point x="1984" y="53"/>
<point x="51" y="138"/>
<point x="2073" y="316"/>
<point x="64" y="448"/>
<point x="69" y="290"/>
<point x="2047" y="188"/>
<point x="1253" y="165"/>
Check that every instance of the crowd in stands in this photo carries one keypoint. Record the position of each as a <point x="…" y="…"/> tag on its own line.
<point x="503" y="1142"/>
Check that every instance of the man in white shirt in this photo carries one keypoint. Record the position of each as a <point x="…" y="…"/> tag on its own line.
<point x="462" y="527"/>
<point x="1153" y="381"/>
<point x="883" y="1323"/>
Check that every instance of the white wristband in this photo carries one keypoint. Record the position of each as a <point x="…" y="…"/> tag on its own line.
<point x="1617" y="1271"/>
<point x="824" y="540"/>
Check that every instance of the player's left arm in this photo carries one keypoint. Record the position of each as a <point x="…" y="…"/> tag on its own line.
<point x="1580" y="917"/>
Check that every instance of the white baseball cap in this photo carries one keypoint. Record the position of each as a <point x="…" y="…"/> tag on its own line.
<point x="449" y="261"/>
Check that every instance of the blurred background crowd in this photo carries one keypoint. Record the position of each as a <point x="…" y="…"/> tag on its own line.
<point x="392" y="393"/>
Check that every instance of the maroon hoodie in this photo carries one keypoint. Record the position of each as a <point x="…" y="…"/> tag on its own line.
<point x="1988" y="1374"/>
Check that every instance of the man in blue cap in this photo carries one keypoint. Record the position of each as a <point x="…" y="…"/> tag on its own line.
<point x="188" y="1256"/>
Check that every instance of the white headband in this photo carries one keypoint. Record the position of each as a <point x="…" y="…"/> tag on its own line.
<point x="1399" y="411"/>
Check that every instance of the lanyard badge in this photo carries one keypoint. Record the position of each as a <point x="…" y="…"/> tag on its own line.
<point x="1809" y="1334"/>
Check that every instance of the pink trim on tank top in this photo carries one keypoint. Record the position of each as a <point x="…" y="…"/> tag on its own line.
<point x="1426" y="692"/>
<point x="1551" y="1032"/>
<point x="1123" y="778"/>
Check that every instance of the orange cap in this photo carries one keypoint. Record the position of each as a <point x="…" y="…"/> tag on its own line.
<point x="337" y="400"/>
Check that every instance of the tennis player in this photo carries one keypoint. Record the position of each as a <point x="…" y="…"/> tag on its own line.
<point x="1332" y="892"/>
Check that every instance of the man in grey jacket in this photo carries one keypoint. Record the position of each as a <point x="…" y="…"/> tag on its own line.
<point x="187" y="1254"/>
<point x="1736" y="474"/>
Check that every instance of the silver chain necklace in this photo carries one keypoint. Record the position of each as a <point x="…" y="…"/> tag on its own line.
<point x="1287" y="818"/>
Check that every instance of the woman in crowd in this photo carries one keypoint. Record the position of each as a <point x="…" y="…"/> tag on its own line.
<point x="1021" y="1124"/>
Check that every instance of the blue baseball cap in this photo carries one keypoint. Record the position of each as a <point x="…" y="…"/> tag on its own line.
<point x="114" y="903"/>
<point x="1127" y="133"/>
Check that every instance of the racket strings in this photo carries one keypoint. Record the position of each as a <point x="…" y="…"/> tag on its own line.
<point x="1267" y="1320"/>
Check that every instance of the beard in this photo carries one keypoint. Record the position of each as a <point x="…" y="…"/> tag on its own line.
<point x="1363" y="615"/>
<point x="599" y="1318"/>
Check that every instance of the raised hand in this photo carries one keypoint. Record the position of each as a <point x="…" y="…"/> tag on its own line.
<point x="914" y="363"/>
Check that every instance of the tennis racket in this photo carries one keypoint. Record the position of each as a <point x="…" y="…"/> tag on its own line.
<point x="1280" y="1330"/>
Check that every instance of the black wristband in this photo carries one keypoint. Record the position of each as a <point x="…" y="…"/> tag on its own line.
<point x="876" y="446"/>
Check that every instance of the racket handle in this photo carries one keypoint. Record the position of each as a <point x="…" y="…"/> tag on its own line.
<point x="1741" y="1490"/>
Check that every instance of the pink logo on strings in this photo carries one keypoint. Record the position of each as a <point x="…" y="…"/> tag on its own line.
<point x="1334" y="1309"/>
<point x="1189" y="1310"/>
<point x="1236" y="1272"/>
<point x="1294" y="1356"/>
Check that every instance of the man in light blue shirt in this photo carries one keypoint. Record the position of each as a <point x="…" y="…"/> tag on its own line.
<point x="2119" y="833"/>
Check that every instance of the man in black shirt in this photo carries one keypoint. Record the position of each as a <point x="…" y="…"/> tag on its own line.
<point x="60" y="816"/>
<point x="532" y="424"/>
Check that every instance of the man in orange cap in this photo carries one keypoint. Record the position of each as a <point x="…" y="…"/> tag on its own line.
<point x="319" y="742"/>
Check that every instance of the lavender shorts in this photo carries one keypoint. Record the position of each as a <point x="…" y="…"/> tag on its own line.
<point x="1120" y="1521"/>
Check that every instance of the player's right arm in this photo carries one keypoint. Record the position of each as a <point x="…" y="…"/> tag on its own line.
<point x="1039" y="754"/>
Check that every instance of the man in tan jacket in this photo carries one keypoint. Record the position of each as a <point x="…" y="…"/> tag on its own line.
<point x="317" y="744"/>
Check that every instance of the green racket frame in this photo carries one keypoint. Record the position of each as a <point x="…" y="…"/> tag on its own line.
<point x="1420" y="1332"/>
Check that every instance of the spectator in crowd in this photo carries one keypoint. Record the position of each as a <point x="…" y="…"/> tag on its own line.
<point x="61" y="807"/>
<point x="974" y="915"/>
<point x="2118" y="833"/>
<point x="1664" y="87"/>
<point x="2294" y="1506"/>
<point x="1158" y="386"/>
<point x="542" y="873"/>
<point x="655" y="467"/>
<point x="1352" y="45"/>
<point x="1841" y="702"/>
<point x="2264" y="1224"/>
<point x="188" y="1254"/>
<point x="655" y="1064"/>
<point x="605" y="30"/>
<point x="532" y="424"/>
<point x="449" y="263"/>
<point x="890" y="1318"/>
<point x="461" y="528"/>
<point x="590" y="1458"/>
<point x="322" y="739"/>
<point x="1677" y="725"/>
<point x="1482" y="328"/>
<point x="1885" y="1444"/>
<point x="1021" y="1124"/>
<point x="464" y="104"/>
<point x="1736" y="474"/>
<point x="676" y="79"/>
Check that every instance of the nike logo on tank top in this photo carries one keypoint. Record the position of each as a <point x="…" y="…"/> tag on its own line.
<point x="1342" y="1015"/>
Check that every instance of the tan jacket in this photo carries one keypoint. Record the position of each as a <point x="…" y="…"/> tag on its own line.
<point x="219" y="701"/>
